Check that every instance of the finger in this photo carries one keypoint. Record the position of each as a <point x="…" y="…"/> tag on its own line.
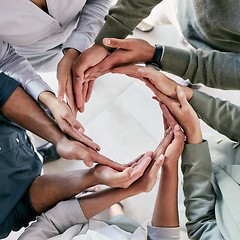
<point x="182" y="96"/>
<point x="156" y="166"/>
<point x="164" y="144"/>
<point x="88" y="142"/>
<point x="178" y="133"/>
<point x="77" y="88"/>
<point x="61" y="89"/>
<point x="71" y="120"/>
<point x="86" y="157"/>
<point x="70" y="96"/>
<point x="121" y="177"/>
<point x="169" y="117"/>
<point x="85" y="88"/>
<point x="130" y="69"/>
<point x="98" y="158"/>
<point x="140" y="168"/>
<point x="135" y="160"/>
<point x="116" y="43"/>
<point x="90" y="89"/>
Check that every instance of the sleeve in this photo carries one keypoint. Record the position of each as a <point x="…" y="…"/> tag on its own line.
<point x="90" y="23"/>
<point x="212" y="68"/>
<point x="199" y="193"/>
<point x="221" y="115"/>
<point x="55" y="221"/>
<point x="20" y="69"/>
<point x="161" y="233"/>
<point x="124" y="17"/>
<point x="7" y="87"/>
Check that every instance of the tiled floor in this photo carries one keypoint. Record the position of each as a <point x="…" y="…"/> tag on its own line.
<point x="123" y="119"/>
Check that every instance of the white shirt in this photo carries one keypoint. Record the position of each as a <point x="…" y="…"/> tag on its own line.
<point x="37" y="35"/>
<point x="66" y="221"/>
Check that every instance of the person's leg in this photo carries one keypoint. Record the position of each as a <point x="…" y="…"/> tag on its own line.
<point x="21" y="215"/>
<point x="119" y="219"/>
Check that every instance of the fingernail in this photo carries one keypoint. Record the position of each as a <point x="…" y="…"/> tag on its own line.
<point x="140" y="70"/>
<point x="60" y="98"/>
<point x="177" y="127"/>
<point x="107" y="41"/>
<point x="81" y="130"/>
<point x="78" y="79"/>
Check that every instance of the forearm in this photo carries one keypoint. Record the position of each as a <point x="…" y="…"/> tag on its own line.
<point x="199" y="193"/>
<point x="124" y="17"/>
<point x="165" y="212"/>
<point x="49" y="189"/>
<point x="21" y="70"/>
<point x="222" y="116"/>
<point x="93" y="204"/>
<point x="23" y="110"/>
<point x="211" y="68"/>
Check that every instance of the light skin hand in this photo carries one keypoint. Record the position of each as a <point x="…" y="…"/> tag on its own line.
<point x="64" y="76"/>
<point x="184" y="114"/>
<point x="112" y="178"/>
<point x="86" y="60"/>
<point x="70" y="149"/>
<point x="150" y="75"/>
<point x="95" y="203"/>
<point x="128" y="51"/>
<point x="66" y="120"/>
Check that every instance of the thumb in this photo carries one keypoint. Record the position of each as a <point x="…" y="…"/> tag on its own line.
<point x="61" y="89"/>
<point x="182" y="98"/>
<point x="115" y="43"/>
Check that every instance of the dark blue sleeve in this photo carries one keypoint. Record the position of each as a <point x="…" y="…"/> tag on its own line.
<point x="7" y="87"/>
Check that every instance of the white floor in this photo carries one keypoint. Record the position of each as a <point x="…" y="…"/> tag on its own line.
<point x="123" y="119"/>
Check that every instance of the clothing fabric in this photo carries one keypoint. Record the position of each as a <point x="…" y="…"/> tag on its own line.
<point x="22" y="214"/>
<point x="214" y="213"/>
<point x="19" y="166"/>
<point x="67" y="221"/>
<point x="211" y="27"/>
<point x="28" y="35"/>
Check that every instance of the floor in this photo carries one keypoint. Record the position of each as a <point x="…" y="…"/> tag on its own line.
<point x="123" y="119"/>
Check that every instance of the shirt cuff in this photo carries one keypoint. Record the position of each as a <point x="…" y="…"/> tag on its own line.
<point x="66" y="214"/>
<point x="163" y="233"/>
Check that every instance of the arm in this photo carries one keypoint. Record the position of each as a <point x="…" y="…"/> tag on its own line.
<point x="197" y="171"/>
<point x="91" y="19"/>
<point x="165" y="221"/>
<point x="72" y="212"/>
<point x="204" y="67"/>
<point x="222" y="116"/>
<point x="20" y="69"/>
<point x="23" y="110"/>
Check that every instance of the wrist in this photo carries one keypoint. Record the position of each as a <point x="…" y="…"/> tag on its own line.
<point x="48" y="99"/>
<point x="156" y="56"/>
<point x="194" y="136"/>
<point x="71" y="53"/>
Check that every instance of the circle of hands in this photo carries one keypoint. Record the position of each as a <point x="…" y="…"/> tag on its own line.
<point x="76" y="77"/>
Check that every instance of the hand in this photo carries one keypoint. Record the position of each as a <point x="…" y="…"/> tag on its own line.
<point x="184" y="114"/>
<point x="86" y="60"/>
<point x="133" y="171"/>
<point x="64" y="76"/>
<point x="65" y="119"/>
<point x="128" y="51"/>
<point x="151" y="76"/>
<point x="175" y="147"/>
<point x="70" y="149"/>
<point x="149" y="178"/>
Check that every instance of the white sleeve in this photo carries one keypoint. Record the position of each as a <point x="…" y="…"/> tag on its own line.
<point x="90" y="23"/>
<point x="55" y="221"/>
<point x="17" y="67"/>
<point x="161" y="233"/>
